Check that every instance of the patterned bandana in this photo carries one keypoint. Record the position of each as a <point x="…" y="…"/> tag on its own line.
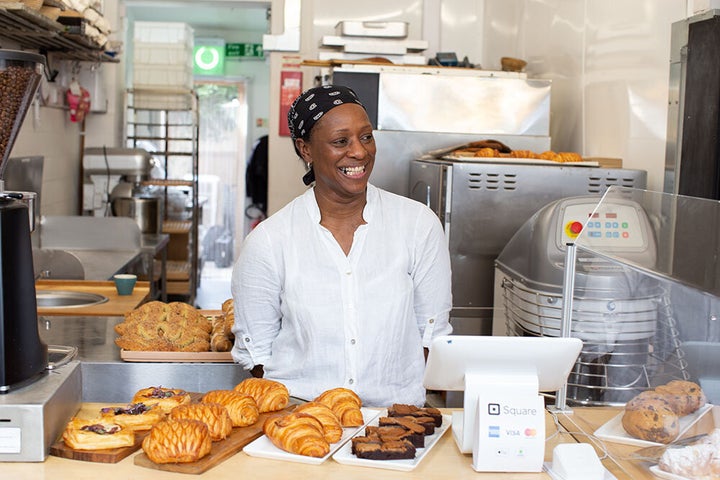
<point x="312" y="104"/>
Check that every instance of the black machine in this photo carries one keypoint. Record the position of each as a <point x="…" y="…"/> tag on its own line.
<point x="23" y="356"/>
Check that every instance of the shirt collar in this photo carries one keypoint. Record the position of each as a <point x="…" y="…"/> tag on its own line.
<point x="371" y="203"/>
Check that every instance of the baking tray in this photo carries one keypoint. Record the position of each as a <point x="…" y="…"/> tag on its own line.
<point x="179" y="357"/>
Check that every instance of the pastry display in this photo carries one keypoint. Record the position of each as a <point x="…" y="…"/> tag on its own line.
<point x="269" y="395"/>
<point x="345" y="404"/>
<point x="158" y="326"/>
<point x="165" y="398"/>
<point x="332" y="428"/>
<point x="496" y="149"/>
<point x="297" y="433"/>
<point x="97" y="434"/>
<point x="242" y="408"/>
<point x="136" y="416"/>
<point x="214" y="415"/>
<point x="177" y="441"/>
<point x="654" y="415"/>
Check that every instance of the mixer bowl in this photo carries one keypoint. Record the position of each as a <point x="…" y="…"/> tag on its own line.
<point x="67" y="299"/>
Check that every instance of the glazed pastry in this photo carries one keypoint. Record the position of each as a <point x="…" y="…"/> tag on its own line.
<point x="649" y="416"/>
<point x="177" y="441"/>
<point x="214" y="415"/>
<point x="685" y="397"/>
<point x="166" y="398"/>
<point x="242" y="408"/>
<point x="297" y="433"/>
<point x="97" y="434"/>
<point x="136" y="416"/>
<point x="269" y="395"/>
<point x="332" y="428"/>
<point x="345" y="404"/>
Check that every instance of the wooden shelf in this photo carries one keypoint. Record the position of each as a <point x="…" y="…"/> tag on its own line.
<point x="177" y="270"/>
<point x="167" y="183"/>
<point x="31" y="29"/>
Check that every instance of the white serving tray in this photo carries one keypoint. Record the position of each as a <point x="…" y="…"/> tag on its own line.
<point x="262" y="447"/>
<point x="613" y="431"/>
<point x="345" y="456"/>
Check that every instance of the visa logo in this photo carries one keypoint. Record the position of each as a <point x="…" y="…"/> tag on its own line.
<point x="512" y="433"/>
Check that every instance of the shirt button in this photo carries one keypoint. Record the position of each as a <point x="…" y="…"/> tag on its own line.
<point x="348" y="272"/>
<point x="352" y="342"/>
<point x="351" y="381"/>
<point x="247" y="339"/>
<point x="432" y="320"/>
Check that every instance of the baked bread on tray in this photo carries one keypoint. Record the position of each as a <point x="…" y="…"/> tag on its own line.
<point x="177" y="441"/>
<point x="269" y="395"/>
<point x="165" y="398"/>
<point x="136" y="416"/>
<point x="242" y="408"/>
<point x="97" y="434"/>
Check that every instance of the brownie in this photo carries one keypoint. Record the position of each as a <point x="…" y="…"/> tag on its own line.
<point x="396" y="433"/>
<point x="403" y="410"/>
<point x="424" y="425"/>
<point x="377" y="450"/>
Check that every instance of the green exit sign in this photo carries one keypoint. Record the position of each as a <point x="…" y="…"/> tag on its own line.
<point x="244" y="50"/>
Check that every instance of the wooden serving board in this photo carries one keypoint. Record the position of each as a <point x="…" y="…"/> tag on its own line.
<point x="108" y="455"/>
<point x="220" y="451"/>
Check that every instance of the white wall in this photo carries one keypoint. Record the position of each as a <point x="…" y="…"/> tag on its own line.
<point x="608" y="60"/>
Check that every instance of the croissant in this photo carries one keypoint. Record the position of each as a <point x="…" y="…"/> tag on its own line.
<point x="345" y="404"/>
<point x="332" y="428"/>
<point x="242" y="408"/>
<point x="297" y="433"/>
<point x="214" y="415"/>
<point x="269" y="395"/>
<point x="177" y="441"/>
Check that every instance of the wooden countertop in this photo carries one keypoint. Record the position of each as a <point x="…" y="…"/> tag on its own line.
<point x="444" y="462"/>
<point x="117" y="305"/>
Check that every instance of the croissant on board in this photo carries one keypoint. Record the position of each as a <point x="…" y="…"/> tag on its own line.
<point x="269" y="395"/>
<point x="297" y="433"/>
<point x="177" y="441"/>
<point x="332" y="428"/>
<point x="242" y="408"/>
<point x="214" y="415"/>
<point x="345" y="404"/>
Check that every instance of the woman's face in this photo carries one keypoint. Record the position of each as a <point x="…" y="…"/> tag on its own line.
<point x="342" y="150"/>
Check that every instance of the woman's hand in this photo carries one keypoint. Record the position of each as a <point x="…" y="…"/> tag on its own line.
<point x="257" y="371"/>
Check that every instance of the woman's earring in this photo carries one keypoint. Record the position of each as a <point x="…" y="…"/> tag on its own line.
<point x="309" y="177"/>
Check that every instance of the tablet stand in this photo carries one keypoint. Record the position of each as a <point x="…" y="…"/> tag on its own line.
<point x="503" y="423"/>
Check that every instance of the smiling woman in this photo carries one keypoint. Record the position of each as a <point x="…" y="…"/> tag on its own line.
<point x="347" y="284"/>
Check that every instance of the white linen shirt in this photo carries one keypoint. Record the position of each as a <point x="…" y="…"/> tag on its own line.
<point x="318" y="319"/>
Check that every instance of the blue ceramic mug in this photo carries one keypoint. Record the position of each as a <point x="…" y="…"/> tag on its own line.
<point x="125" y="283"/>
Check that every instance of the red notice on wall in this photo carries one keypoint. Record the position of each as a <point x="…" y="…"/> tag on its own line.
<point x="290" y="88"/>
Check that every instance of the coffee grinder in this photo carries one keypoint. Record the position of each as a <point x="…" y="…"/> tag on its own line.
<point x="23" y="356"/>
<point x="34" y="404"/>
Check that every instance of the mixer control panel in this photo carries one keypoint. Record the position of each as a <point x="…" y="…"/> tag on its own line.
<point x="616" y="226"/>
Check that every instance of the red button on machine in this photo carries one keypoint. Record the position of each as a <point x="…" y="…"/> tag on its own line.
<point x="576" y="227"/>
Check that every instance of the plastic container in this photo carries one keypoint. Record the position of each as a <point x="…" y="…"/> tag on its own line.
<point x="162" y="54"/>
<point x="372" y="29"/>
<point x="163" y="32"/>
<point x="162" y="76"/>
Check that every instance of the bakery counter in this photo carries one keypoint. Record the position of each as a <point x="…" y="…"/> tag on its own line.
<point x="442" y="462"/>
<point x="106" y="377"/>
<point x="117" y="305"/>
